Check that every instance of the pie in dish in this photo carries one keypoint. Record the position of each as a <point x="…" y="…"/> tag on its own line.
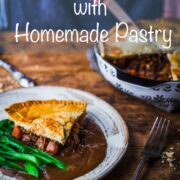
<point x="145" y="60"/>
<point x="49" y="122"/>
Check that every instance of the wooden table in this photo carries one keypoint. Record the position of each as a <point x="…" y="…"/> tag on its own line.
<point x="68" y="66"/>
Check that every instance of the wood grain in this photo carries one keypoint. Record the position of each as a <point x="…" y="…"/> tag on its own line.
<point x="69" y="67"/>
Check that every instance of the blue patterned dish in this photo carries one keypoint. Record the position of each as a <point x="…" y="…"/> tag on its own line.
<point x="162" y="94"/>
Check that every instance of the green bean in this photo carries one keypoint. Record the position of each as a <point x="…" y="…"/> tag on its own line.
<point x="5" y="163"/>
<point x="6" y="125"/>
<point x="48" y="158"/>
<point x="8" y="140"/>
<point x="36" y="152"/>
<point x="31" y="169"/>
<point x="21" y="156"/>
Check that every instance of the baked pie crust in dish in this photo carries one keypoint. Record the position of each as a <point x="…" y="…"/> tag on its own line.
<point x="145" y="60"/>
<point x="51" y="119"/>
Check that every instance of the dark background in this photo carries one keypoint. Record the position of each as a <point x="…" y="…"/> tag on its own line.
<point x="59" y="13"/>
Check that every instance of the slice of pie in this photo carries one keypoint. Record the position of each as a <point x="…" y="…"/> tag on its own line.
<point x="47" y="122"/>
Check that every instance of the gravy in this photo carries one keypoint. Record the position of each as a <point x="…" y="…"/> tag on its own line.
<point x="80" y="160"/>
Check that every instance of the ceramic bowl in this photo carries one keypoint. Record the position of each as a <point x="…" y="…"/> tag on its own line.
<point x="162" y="94"/>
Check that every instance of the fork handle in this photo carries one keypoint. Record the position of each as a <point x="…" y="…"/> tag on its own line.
<point x="139" y="169"/>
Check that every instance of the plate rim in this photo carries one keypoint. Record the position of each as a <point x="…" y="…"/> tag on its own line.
<point x="126" y="132"/>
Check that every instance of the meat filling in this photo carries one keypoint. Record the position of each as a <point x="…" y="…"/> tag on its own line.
<point x="41" y="143"/>
<point x="52" y="147"/>
<point x="17" y="132"/>
<point x="45" y="144"/>
<point x="149" y="66"/>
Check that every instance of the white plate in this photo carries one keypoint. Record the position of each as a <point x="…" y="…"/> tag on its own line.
<point x="103" y="114"/>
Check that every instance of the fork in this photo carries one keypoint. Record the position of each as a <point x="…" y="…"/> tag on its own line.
<point x="154" y="145"/>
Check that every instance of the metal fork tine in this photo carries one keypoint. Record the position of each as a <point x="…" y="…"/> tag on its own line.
<point x="164" y="135"/>
<point x="162" y="128"/>
<point x="159" y="126"/>
<point x="154" y="131"/>
<point x="154" y="125"/>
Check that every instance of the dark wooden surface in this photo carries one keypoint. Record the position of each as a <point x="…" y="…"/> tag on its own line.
<point x="68" y="66"/>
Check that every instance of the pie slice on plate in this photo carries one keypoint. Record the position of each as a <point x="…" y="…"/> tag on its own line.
<point x="50" y="119"/>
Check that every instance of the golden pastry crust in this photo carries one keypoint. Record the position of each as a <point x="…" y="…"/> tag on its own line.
<point x="123" y="47"/>
<point x="52" y="119"/>
<point x="49" y="128"/>
<point x="174" y="59"/>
